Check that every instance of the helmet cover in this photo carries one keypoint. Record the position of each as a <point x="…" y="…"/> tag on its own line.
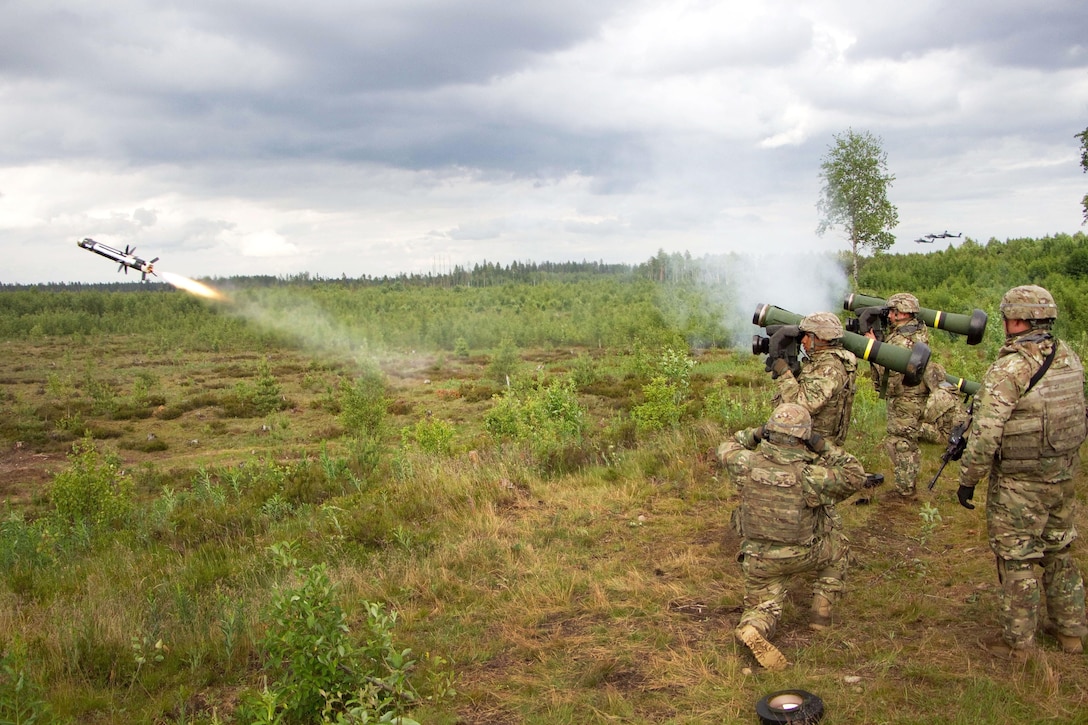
<point x="790" y="419"/>
<point x="1028" y="302"/>
<point x="823" y="325"/>
<point x="904" y="302"/>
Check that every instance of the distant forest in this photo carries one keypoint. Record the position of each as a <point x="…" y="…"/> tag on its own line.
<point x="1027" y="260"/>
<point x="546" y="303"/>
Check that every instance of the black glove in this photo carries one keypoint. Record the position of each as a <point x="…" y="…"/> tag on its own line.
<point x="965" y="494"/>
<point x="758" y="434"/>
<point x="779" y="368"/>
<point x="816" y="443"/>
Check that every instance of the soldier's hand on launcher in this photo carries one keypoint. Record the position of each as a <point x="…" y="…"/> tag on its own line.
<point x="779" y="368"/>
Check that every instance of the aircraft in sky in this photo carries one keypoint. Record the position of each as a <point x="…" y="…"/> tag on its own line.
<point x="930" y="238"/>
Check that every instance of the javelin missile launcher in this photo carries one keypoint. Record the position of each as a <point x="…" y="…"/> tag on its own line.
<point x="911" y="362"/>
<point x="973" y="325"/>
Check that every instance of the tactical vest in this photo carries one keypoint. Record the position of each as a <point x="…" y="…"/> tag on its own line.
<point x="773" y="506"/>
<point x="909" y="328"/>
<point x="906" y="335"/>
<point x="1049" y="421"/>
<point x="833" y="420"/>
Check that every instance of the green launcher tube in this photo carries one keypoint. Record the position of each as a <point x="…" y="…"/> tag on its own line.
<point x="909" y="361"/>
<point x="973" y="325"/>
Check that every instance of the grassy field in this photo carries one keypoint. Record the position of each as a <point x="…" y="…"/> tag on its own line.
<point x="589" y="579"/>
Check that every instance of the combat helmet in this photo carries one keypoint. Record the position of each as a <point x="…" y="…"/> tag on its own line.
<point x="823" y="325"/>
<point x="790" y="419"/>
<point x="904" y="302"/>
<point x="1028" y="302"/>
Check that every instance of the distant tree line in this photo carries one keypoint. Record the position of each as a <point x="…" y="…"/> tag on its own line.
<point x="977" y="275"/>
<point x="669" y="298"/>
<point x="663" y="267"/>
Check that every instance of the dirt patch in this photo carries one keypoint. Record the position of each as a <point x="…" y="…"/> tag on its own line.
<point x="22" y="471"/>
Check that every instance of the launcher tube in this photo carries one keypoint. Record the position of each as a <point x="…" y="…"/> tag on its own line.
<point x="909" y="361"/>
<point x="889" y="356"/>
<point x="973" y="325"/>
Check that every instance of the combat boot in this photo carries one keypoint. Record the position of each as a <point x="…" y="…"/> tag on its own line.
<point x="820" y="615"/>
<point x="765" y="653"/>
<point x="998" y="647"/>
<point x="1069" y="643"/>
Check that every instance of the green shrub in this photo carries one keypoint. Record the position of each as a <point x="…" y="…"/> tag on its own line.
<point x="505" y="418"/>
<point x="584" y="372"/>
<point x="27" y="550"/>
<point x="267" y="396"/>
<point x="675" y="366"/>
<point x="431" y="435"/>
<point x="737" y="408"/>
<point x="252" y="400"/>
<point x="362" y="404"/>
<point x="318" y="671"/>
<point x="662" y="407"/>
<point x="669" y="389"/>
<point x="505" y="362"/>
<point x="552" y="411"/>
<point x="550" y="421"/>
<point x="93" y="489"/>
<point x="103" y="395"/>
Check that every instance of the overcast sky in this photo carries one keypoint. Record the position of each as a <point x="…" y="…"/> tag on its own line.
<point x="232" y="137"/>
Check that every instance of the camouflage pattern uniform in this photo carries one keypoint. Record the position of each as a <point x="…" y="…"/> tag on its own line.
<point x="784" y="490"/>
<point x="826" y="384"/>
<point x="1027" y="447"/>
<point x="906" y="403"/>
<point x="945" y="407"/>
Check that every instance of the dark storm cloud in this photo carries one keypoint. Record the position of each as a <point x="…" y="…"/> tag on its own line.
<point x="238" y="136"/>
<point x="347" y="46"/>
<point x="1048" y="34"/>
<point x="339" y="80"/>
<point x="413" y="44"/>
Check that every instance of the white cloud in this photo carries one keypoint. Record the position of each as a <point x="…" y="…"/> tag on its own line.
<point x="266" y="243"/>
<point x="235" y="137"/>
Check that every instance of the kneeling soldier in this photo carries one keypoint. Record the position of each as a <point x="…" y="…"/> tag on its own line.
<point x="787" y="477"/>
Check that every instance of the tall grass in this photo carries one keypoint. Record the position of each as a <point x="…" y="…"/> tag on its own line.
<point x="563" y="563"/>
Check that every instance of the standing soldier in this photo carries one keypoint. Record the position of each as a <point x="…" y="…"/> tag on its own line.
<point x="786" y="477"/>
<point x="1029" y="423"/>
<point x="906" y="403"/>
<point x="825" y="386"/>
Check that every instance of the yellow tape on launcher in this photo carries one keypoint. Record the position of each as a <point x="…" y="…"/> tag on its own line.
<point x="909" y="361"/>
<point x="973" y="325"/>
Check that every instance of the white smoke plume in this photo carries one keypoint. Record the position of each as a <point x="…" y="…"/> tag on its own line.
<point x="799" y="283"/>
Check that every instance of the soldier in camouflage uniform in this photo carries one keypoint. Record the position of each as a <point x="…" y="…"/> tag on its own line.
<point x="786" y="477"/>
<point x="1025" y="438"/>
<point x="945" y="407"/>
<point x="826" y="384"/>
<point x="906" y="403"/>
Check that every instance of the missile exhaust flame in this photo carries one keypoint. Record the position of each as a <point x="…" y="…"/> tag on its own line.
<point x="192" y="286"/>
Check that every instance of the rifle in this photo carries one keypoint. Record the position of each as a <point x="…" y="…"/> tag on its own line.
<point x="784" y="342"/>
<point x="957" y="443"/>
